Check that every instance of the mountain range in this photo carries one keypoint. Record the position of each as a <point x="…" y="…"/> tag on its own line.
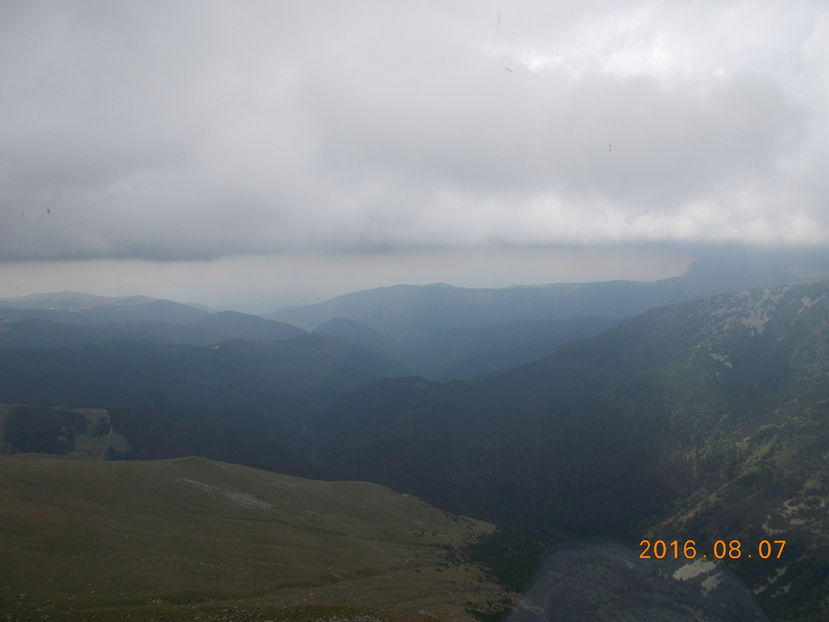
<point x="445" y="332"/>
<point x="703" y="420"/>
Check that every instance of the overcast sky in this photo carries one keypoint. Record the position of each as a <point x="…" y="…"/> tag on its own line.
<point x="270" y="152"/>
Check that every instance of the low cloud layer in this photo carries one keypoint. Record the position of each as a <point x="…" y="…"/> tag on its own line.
<point x="201" y="130"/>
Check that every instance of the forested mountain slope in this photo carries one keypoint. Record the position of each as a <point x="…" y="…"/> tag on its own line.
<point x="681" y="414"/>
<point x="242" y="401"/>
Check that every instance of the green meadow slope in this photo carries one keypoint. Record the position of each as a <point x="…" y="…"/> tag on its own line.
<point x="195" y="539"/>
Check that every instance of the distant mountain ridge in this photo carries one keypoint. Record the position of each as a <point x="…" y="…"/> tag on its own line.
<point x="445" y="332"/>
<point x="355" y="333"/>
<point x="235" y="325"/>
<point x="67" y="319"/>
<point x="399" y="309"/>
<point x="69" y="300"/>
<point x="88" y="309"/>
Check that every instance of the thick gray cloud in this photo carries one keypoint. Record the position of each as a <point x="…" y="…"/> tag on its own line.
<point x="201" y="130"/>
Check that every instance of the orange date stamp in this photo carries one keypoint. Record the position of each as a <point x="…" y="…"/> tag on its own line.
<point x="718" y="549"/>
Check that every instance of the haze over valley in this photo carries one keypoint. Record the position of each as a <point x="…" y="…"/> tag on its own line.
<point x="394" y="312"/>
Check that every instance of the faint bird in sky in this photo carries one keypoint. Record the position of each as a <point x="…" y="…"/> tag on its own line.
<point x="610" y="147"/>
<point x="508" y="69"/>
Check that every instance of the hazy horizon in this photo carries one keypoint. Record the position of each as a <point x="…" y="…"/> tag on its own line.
<point x="265" y="154"/>
<point x="274" y="282"/>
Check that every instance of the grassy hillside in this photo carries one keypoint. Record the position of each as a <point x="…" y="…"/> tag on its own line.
<point x="194" y="539"/>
